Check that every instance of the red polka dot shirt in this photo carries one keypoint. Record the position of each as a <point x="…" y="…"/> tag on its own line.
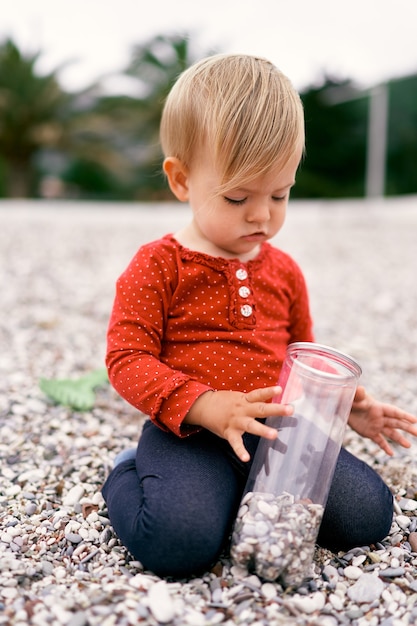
<point x="184" y="322"/>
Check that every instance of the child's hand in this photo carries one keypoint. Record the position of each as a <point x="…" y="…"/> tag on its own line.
<point x="229" y="414"/>
<point x="377" y="421"/>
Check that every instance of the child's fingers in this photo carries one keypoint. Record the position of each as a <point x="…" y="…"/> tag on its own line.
<point x="236" y="442"/>
<point x="263" y="394"/>
<point x="262" y="408"/>
<point x="253" y="427"/>
<point x="384" y="445"/>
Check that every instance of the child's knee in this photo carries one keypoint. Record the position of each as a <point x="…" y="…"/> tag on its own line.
<point x="361" y="520"/>
<point x="178" y="552"/>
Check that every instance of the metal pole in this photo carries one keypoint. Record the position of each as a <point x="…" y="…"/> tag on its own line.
<point x="377" y="141"/>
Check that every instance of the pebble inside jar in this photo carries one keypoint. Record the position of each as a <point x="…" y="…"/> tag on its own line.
<point x="281" y="510"/>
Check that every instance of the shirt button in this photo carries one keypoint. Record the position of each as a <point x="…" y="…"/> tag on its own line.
<point x="246" y="310"/>
<point x="244" y="292"/>
<point x="241" y="274"/>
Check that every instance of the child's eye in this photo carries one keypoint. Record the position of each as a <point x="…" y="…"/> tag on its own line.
<point x="278" y="198"/>
<point x="235" y="201"/>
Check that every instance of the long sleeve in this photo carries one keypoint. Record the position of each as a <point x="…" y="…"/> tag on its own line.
<point x="135" y="342"/>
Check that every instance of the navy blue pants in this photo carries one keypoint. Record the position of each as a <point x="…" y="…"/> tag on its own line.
<point x="174" y="508"/>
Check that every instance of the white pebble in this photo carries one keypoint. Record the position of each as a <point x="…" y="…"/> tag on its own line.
<point x="310" y="604"/>
<point x="352" y="572"/>
<point x="331" y="573"/>
<point x="408" y="505"/>
<point x="9" y="592"/>
<point x="397" y="552"/>
<point x="60" y="573"/>
<point x="336" y="601"/>
<point x="253" y="580"/>
<point x="160" y="602"/>
<point x="73" y="496"/>
<point x="367" y="588"/>
<point x="396" y="539"/>
<point x="265" y="508"/>
<point x="98" y="498"/>
<point x="328" y="620"/>
<point x="194" y="618"/>
<point x="8" y="473"/>
<point x="403" y="521"/>
<point x="31" y="476"/>
<point x="261" y="529"/>
<point x="238" y="572"/>
<point x="6" y="537"/>
<point x="269" y="591"/>
<point x="358" y="560"/>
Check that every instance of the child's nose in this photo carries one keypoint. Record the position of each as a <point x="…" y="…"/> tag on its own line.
<point x="259" y="213"/>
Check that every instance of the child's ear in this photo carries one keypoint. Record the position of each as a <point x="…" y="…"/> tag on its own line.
<point x="177" y="175"/>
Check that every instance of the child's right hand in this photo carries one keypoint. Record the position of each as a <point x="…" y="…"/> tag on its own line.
<point x="229" y="414"/>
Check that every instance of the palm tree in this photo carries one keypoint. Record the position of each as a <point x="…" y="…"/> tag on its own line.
<point x="96" y="162"/>
<point x="154" y="66"/>
<point x="86" y="138"/>
<point x="33" y="112"/>
<point x="46" y="130"/>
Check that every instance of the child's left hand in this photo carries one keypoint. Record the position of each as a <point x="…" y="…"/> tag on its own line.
<point x="377" y="420"/>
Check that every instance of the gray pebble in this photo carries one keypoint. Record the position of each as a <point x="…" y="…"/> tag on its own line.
<point x="392" y="572"/>
<point x="30" y="508"/>
<point x="73" y="537"/>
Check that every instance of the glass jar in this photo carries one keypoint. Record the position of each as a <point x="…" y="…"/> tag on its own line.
<point x="289" y="481"/>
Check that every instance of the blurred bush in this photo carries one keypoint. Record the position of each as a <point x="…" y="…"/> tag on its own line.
<point x="97" y="146"/>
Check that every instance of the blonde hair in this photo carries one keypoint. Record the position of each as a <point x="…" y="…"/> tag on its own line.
<point x="242" y="108"/>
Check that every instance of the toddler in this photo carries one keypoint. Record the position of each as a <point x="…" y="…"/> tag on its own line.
<point x="200" y="326"/>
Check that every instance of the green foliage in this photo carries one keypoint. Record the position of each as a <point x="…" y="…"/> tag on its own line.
<point x="107" y="147"/>
<point x="335" y="117"/>
<point x="78" y="394"/>
<point x="154" y="66"/>
<point x="3" y="177"/>
<point x="32" y="114"/>
<point x="402" y="137"/>
<point x="91" y="179"/>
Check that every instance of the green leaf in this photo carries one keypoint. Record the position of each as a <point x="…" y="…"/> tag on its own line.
<point x="96" y="378"/>
<point x="77" y="394"/>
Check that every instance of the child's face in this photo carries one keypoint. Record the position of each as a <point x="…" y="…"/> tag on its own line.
<point x="235" y="224"/>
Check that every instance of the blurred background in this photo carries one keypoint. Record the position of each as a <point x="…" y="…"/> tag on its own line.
<point x="82" y="86"/>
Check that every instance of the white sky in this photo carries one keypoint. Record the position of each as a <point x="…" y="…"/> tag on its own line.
<point x="366" y="40"/>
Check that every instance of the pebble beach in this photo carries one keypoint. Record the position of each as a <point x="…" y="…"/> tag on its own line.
<point x="60" y="561"/>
